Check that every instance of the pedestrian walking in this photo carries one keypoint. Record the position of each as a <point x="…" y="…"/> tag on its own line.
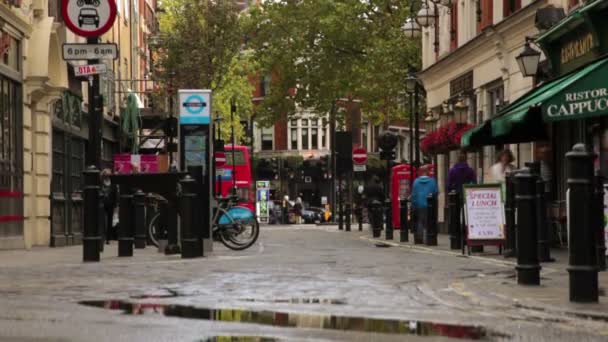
<point x="460" y="174"/>
<point x="423" y="187"/>
<point x="503" y="164"/>
<point x="298" y="206"/>
<point x="108" y="195"/>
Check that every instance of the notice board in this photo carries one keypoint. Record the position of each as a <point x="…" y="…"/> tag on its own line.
<point x="484" y="214"/>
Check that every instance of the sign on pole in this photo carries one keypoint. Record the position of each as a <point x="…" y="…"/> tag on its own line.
<point x="89" y="18"/>
<point x="87" y="70"/>
<point x="484" y="214"/>
<point x="80" y="52"/>
<point x="359" y="155"/>
<point x="359" y="167"/>
<point x="194" y="106"/>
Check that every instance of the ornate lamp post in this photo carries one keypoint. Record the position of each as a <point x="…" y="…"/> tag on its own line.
<point x="528" y="60"/>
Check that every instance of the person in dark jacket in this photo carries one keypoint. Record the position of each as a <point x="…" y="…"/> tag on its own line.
<point x="423" y="187"/>
<point x="460" y="174"/>
<point x="108" y="196"/>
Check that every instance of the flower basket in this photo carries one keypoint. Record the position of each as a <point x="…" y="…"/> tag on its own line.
<point x="445" y="138"/>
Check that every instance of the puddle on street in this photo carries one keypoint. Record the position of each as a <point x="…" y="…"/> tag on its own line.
<point x="298" y="301"/>
<point x="295" y="320"/>
<point x="240" y="339"/>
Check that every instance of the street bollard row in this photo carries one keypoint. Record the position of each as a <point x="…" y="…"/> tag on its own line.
<point x="510" y="246"/>
<point x="388" y="219"/>
<point x="454" y="224"/>
<point x="403" y="234"/>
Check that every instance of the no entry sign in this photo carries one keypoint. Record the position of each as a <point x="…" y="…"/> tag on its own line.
<point x="359" y="155"/>
<point x="89" y="18"/>
<point x="220" y="159"/>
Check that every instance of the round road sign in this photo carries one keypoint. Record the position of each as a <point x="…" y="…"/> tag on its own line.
<point x="220" y="159"/>
<point x="89" y="18"/>
<point x="359" y="155"/>
<point x="194" y="104"/>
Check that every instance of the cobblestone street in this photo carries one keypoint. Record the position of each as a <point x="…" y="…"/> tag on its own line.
<point x="306" y="273"/>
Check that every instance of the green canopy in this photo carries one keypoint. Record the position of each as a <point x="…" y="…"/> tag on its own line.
<point x="579" y="94"/>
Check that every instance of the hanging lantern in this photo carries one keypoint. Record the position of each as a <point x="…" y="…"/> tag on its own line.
<point x="528" y="61"/>
<point x="411" y="29"/>
<point x="426" y="15"/>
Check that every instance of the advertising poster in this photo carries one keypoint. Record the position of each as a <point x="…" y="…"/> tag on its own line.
<point x="484" y="212"/>
<point x="263" y="197"/>
<point x="148" y="163"/>
<point x="122" y="164"/>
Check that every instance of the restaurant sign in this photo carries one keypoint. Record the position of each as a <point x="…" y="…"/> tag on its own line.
<point x="588" y="97"/>
<point x="576" y="48"/>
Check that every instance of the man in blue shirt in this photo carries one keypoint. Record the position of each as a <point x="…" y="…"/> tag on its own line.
<point x="423" y="186"/>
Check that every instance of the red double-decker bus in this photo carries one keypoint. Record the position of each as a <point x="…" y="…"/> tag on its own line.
<point x="237" y="172"/>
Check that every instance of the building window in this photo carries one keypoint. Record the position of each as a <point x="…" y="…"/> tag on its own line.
<point x="305" y="130"/>
<point x="495" y="100"/>
<point x="510" y="7"/>
<point x="294" y="138"/>
<point x="314" y="134"/>
<point x="265" y="86"/>
<point x="454" y="27"/>
<point x="267" y="139"/>
<point x="485" y="14"/>
<point x="11" y="135"/>
<point x="324" y="133"/>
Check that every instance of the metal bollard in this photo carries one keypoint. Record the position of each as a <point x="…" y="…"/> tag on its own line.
<point x="389" y="219"/>
<point x="340" y="212"/>
<point x="430" y="231"/>
<point x="375" y="210"/>
<point x="172" y="239"/>
<point x="510" y="245"/>
<point x="91" y="234"/>
<point x="581" y="235"/>
<point x="149" y="215"/>
<point x="418" y="234"/>
<point x="187" y="206"/>
<point x="139" y="200"/>
<point x="403" y="234"/>
<point x="454" y="220"/>
<point x="348" y="217"/>
<point x="359" y="214"/>
<point x="528" y="269"/>
<point x="125" y="226"/>
<point x="599" y="223"/>
<point x="544" y="252"/>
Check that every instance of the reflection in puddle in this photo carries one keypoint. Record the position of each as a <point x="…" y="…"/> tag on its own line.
<point x="298" y="301"/>
<point x="240" y="339"/>
<point x="294" y="320"/>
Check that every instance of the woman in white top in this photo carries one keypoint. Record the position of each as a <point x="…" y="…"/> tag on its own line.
<point x="502" y="166"/>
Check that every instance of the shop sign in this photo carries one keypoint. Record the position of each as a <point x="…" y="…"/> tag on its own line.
<point x="576" y="48"/>
<point x="588" y="97"/>
<point x="263" y="198"/>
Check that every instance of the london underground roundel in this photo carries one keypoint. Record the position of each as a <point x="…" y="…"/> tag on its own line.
<point x="89" y="18"/>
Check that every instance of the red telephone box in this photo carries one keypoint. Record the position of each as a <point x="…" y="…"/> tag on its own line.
<point x="401" y="181"/>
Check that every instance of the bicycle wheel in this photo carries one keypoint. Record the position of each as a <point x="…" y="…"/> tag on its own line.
<point x="154" y="230"/>
<point x="240" y="236"/>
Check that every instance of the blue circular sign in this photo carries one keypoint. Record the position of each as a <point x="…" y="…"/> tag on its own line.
<point x="194" y="104"/>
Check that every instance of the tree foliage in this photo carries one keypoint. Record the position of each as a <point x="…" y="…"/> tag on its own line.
<point x="327" y="50"/>
<point x="200" y="47"/>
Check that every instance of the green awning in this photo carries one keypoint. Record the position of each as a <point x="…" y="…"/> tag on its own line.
<point x="582" y="93"/>
<point x="477" y="136"/>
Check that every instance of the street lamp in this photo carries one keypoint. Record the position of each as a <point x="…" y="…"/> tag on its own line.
<point x="411" y="29"/>
<point x="528" y="60"/>
<point x="410" y="82"/>
<point x="426" y="15"/>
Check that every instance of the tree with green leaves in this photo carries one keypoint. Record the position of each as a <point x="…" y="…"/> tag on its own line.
<point x="201" y="47"/>
<point x="322" y="51"/>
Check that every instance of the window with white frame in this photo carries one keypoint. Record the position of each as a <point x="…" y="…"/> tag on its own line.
<point x="305" y="130"/>
<point x="496" y="95"/>
<point x="267" y="138"/>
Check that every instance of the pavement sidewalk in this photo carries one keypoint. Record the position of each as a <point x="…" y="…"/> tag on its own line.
<point x="551" y="296"/>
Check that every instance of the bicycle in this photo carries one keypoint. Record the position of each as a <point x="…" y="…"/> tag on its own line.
<point x="233" y="225"/>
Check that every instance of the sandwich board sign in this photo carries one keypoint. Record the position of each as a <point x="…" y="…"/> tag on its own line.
<point x="484" y="215"/>
<point x="89" y="18"/>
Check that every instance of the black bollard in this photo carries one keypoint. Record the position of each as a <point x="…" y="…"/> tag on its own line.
<point x="340" y="211"/>
<point x="403" y="234"/>
<point x="150" y="212"/>
<point x="454" y="220"/>
<point x="91" y="235"/>
<point x="388" y="219"/>
<point x="187" y="206"/>
<point x="285" y="212"/>
<point x="544" y="252"/>
<point x="418" y="233"/>
<point x="139" y="202"/>
<point x="359" y="214"/>
<point x="528" y="269"/>
<point x="599" y="225"/>
<point x="348" y="217"/>
<point x="430" y="232"/>
<point x="510" y="246"/>
<point x="581" y="236"/>
<point x="375" y="216"/>
<point x="125" y="225"/>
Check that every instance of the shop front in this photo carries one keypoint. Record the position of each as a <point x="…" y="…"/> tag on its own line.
<point x="571" y="107"/>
